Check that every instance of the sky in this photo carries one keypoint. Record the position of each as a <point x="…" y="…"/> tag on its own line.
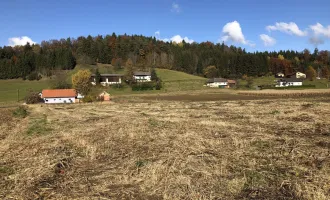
<point x="256" y="25"/>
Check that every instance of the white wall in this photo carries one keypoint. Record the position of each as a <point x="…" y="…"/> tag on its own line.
<point x="59" y="100"/>
<point x="289" y="84"/>
<point x="142" y="78"/>
<point x="106" y="83"/>
<point x="217" y="84"/>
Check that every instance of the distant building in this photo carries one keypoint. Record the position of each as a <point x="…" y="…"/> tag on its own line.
<point x="231" y="83"/>
<point x="285" y="82"/>
<point x="217" y="82"/>
<point x="59" y="96"/>
<point x="142" y="76"/>
<point x="108" y="79"/>
<point x="296" y="75"/>
<point x="279" y="75"/>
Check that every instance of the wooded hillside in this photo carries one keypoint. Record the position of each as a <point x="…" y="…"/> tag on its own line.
<point x="145" y="52"/>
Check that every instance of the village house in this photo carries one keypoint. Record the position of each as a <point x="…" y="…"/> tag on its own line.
<point x="231" y="83"/>
<point x="59" y="96"/>
<point x="142" y="76"/>
<point x="217" y="82"/>
<point x="279" y="75"/>
<point x="285" y="82"/>
<point x="296" y="75"/>
<point x="107" y="79"/>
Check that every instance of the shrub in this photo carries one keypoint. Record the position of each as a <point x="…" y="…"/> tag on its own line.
<point x="88" y="99"/>
<point x="143" y="86"/>
<point x="34" y="76"/>
<point x="20" y="112"/>
<point x="158" y="85"/>
<point x="33" y="98"/>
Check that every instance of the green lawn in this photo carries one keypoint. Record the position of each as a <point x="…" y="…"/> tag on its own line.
<point x="171" y="75"/>
<point x="8" y="88"/>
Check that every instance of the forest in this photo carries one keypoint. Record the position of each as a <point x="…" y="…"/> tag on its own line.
<point x="204" y="59"/>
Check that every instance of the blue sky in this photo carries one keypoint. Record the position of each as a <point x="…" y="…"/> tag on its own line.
<point x="282" y="24"/>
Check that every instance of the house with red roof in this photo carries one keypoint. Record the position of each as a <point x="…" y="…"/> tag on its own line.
<point x="59" y="96"/>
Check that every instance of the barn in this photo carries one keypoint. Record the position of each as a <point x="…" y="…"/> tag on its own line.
<point x="59" y="96"/>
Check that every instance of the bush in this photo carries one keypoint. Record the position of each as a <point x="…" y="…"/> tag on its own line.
<point x="158" y="85"/>
<point x="34" y="76"/>
<point x="88" y="99"/>
<point x="117" y="86"/>
<point x="143" y="86"/>
<point x="20" y="112"/>
<point x="33" y="98"/>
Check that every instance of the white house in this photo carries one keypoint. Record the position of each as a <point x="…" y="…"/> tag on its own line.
<point x="285" y="82"/>
<point x="217" y="82"/>
<point x="279" y="75"/>
<point x="142" y="76"/>
<point x="297" y="75"/>
<point x="108" y="79"/>
<point x="59" y="96"/>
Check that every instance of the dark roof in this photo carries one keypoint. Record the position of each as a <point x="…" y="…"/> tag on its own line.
<point x="290" y="80"/>
<point x="142" y="74"/>
<point x="215" y="80"/>
<point x="109" y="75"/>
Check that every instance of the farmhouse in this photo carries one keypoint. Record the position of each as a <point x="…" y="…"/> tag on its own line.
<point x="142" y="76"/>
<point x="59" y="96"/>
<point x="108" y="79"/>
<point x="296" y="75"/>
<point x="217" y="82"/>
<point x="285" y="82"/>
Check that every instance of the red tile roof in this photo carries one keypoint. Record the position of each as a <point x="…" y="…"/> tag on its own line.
<point x="59" y="93"/>
<point x="231" y="81"/>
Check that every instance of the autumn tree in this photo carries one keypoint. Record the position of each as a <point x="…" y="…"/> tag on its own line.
<point x="325" y="72"/>
<point x="311" y="73"/>
<point x="129" y="71"/>
<point x="81" y="81"/>
<point x="210" y="71"/>
<point x="281" y="57"/>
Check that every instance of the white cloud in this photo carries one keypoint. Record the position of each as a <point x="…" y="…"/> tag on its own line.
<point x="319" y="29"/>
<point x="267" y="40"/>
<point x="19" y="41"/>
<point x="232" y="32"/>
<point x="175" y="8"/>
<point x="157" y="35"/>
<point x="179" y="39"/>
<point x="176" y="38"/>
<point x="289" y="28"/>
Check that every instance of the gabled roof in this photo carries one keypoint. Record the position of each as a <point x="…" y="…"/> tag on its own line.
<point x="216" y="80"/>
<point x="142" y="74"/>
<point x="231" y="81"/>
<point x="108" y="75"/>
<point x="59" y="93"/>
<point x="290" y="80"/>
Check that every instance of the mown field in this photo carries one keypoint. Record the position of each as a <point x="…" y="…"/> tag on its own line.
<point x="145" y="149"/>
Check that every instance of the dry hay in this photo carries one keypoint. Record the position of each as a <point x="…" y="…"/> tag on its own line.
<point x="288" y="93"/>
<point x="160" y="150"/>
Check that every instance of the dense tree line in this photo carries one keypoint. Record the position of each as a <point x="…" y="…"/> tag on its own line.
<point x="146" y="52"/>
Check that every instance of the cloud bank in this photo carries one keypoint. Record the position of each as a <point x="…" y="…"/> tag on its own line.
<point x="18" y="41"/>
<point x="176" y="38"/>
<point x="289" y="28"/>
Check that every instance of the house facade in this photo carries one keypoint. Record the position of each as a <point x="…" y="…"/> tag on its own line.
<point x="142" y="76"/>
<point x="59" y="96"/>
<point x="107" y="79"/>
<point x="217" y="82"/>
<point x="297" y="75"/>
<point x="285" y="82"/>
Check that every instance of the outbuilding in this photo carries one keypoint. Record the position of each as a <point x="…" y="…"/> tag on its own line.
<point x="59" y="96"/>
<point x="217" y="82"/>
<point x="285" y="82"/>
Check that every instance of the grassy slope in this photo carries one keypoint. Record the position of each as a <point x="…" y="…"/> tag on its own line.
<point x="8" y="88"/>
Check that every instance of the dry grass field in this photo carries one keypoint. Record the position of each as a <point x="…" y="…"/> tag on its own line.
<point x="147" y="149"/>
